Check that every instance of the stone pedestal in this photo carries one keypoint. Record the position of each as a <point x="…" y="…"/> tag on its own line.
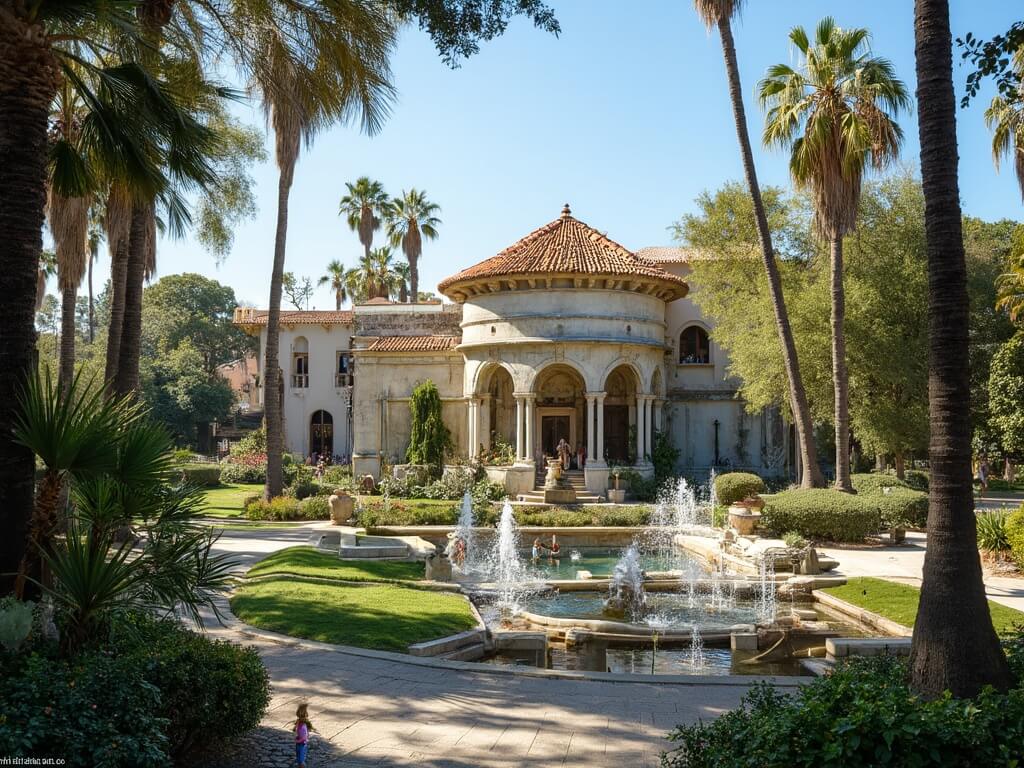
<point x="439" y="567"/>
<point x="557" y="489"/>
<point x="342" y="508"/>
<point x="743" y="520"/>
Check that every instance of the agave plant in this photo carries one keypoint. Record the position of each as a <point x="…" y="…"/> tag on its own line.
<point x="992" y="533"/>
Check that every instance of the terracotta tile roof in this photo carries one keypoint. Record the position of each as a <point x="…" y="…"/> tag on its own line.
<point x="247" y="316"/>
<point x="565" y="246"/>
<point x="672" y="254"/>
<point x="414" y="344"/>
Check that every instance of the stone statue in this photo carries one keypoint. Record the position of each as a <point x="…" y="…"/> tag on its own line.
<point x="342" y="507"/>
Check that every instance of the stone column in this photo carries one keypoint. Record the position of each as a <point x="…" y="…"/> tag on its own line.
<point x="530" y="451"/>
<point x="484" y="422"/>
<point x="520" y="437"/>
<point x="641" y="442"/>
<point x="649" y="425"/>
<point x="591" y="398"/>
<point x="658" y="413"/>
<point x="473" y="411"/>
<point x="599" y="447"/>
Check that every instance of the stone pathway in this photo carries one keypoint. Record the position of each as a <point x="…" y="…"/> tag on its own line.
<point x="373" y="709"/>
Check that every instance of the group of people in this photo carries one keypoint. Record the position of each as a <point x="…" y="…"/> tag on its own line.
<point x="321" y="461"/>
<point x="571" y="459"/>
<point x="539" y="547"/>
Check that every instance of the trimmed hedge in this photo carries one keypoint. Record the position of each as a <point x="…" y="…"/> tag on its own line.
<point x="288" y="508"/>
<point x="917" y="479"/>
<point x="821" y="513"/>
<point x="736" y="486"/>
<point x="203" y="475"/>
<point x="426" y="512"/>
<point x="872" y="482"/>
<point x="1015" y="536"/>
<point x="900" y="507"/>
<point x="231" y="472"/>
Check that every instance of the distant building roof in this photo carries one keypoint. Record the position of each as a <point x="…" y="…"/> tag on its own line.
<point x="249" y="317"/>
<point x="414" y="344"/>
<point x="672" y="254"/>
<point x="565" y="246"/>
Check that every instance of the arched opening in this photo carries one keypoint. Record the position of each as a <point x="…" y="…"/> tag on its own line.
<point x="321" y="434"/>
<point x="501" y="407"/>
<point x="621" y="387"/>
<point x="694" y="346"/>
<point x="300" y="363"/>
<point x="560" y="413"/>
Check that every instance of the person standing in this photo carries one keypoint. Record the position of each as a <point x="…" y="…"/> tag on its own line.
<point x="302" y="729"/>
<point x="563" y="453"/>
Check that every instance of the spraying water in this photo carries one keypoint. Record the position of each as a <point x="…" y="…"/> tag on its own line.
<point x="766" y="589"/>
<point x="463" y="554"/>
<point x="626" y="596"/>
<point x="507" y="567"/>
<point x="696" y="649"/>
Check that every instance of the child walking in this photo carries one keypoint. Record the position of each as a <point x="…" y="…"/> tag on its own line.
<point x="302" y="729"/>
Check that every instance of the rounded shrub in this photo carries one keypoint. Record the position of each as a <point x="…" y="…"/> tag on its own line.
<point x="822" y="514"/>
<point x="1015" y="536"/>
<point x="736" y="486"/>
<point x="279" y="508"/>
<point x="315" y="508"/>
<point x="900" y="507"/>
<point x="203" y="475"/>
<point x="872" y="482"/>
<point x="232" y="472"/>
<point x="916" y="479"/>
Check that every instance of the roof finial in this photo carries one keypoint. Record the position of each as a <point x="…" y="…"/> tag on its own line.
<point x="566" y="213"/>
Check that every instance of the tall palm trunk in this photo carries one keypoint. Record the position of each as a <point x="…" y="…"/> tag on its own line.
<point x="92" y="305"/>
<point x="811" y="474"/>
<point x="140" y="244"/>
<point x="118" y="226"/>
<point x="67" y="337"/>
<point x="28" y="83"/>
<point x="272" y="369"/>
<point x="414" y="279"/>
<point x="954" y="645"/>
<point x="840" y="378"/>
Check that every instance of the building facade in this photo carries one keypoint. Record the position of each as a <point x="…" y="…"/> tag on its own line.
<point x="564" y="335"/>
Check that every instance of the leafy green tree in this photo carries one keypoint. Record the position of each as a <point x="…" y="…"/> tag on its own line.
<point x="1006" y="396"/>
<point x="411" y="218"/>
<point x="429" y="439"/>
<point x="183" y="394"/>
<point x="194" y="309"/>
<point x="835" y="114"/>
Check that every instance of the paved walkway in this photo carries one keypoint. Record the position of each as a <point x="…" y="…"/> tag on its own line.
<point x="905" y="563"/>
<point x="375" y="710"/>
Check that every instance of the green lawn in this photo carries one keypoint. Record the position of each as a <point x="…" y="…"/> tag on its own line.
<point x="226" y="500"/>
<point x="380" y="616"/>
<point x="898" y="602"/>
<point x="306" y="561"/>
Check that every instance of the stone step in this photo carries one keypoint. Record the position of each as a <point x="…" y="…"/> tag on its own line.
<point x="373" y="552"/>
<point x="581" y="498"/>
<point x="448" y="644"/>
<point x="841" y="647"/>
<point x="467" y="653"/>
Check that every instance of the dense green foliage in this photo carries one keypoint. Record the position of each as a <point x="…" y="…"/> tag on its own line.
<point x="736" y="486"/>
<point x="863" y="715"/>
<point x="993" y="535"/>
<point x="203" y="475"/>
<point x="916" y="479"/>
<point x="1015" y="536"/>
<point x="1006" y="396"/>
<point x="874" y="482"/>
<point x="381" y="514"/>
<point x="900" y="507"/>
<point x="821" y="514"/>
<point x="429" y="438"/>
<point x="289" y="508"/>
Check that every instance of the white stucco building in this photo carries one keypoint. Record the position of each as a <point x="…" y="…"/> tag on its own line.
<point x="564" y="334"/>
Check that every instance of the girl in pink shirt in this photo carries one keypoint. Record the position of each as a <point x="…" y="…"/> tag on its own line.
<point x="302" y="728"/>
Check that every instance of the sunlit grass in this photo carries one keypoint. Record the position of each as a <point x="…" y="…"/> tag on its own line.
<point x="226" y="500"/>
<point x="306" y="561"/>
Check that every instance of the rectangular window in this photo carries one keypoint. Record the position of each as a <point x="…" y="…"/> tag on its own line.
<point x="300" y="370"/>
<point x="343" y="370"/>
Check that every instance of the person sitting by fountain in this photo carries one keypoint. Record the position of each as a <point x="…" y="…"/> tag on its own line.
<point x="535" y="553"/>
<point x="554" y="550"/>
<point x="458" y="554"/>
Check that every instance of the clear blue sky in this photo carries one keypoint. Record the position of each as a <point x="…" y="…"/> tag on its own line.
<point x="625" y="116"/>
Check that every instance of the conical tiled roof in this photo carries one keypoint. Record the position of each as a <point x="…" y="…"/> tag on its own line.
<point x="566" y="246"/>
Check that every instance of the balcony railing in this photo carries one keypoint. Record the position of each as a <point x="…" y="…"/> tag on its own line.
<point x="343" y="379"/>
<point x="300" y="381"/>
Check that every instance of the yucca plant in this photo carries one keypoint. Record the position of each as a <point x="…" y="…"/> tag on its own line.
<point x="992" y="534"/>
<point x="74" y="435"/>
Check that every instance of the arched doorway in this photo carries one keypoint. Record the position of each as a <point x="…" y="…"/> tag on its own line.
<point x="620" y="415"/>
<point x="560" y="411"/>
<point x="321" y="433"/>
<point x="501" y="408"/>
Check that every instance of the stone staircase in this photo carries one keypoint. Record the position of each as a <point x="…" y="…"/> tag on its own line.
<point x="574" y="477"/>
<point x="465" y="646"/>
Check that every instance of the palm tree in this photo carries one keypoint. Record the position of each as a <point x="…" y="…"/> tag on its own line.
<point x="1005" y="118"/>
<point x="382" y="271"/>
<point x="403" y="277"/>
<point x="836" y="116"/>
<point x="365" y="208"/>
<point x="346" y="77"/>
<point x="95" y="235"/>
<point x="1010" y="286"/>
<point x="719" y="13"/>
<point x="335" y="277"/>
<point x="954" y="646"/>
<point x="413" y="217"/>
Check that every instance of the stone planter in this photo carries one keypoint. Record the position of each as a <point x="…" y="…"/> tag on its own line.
<point x="743" y="520"/>
<point x="516" y="478"/>
<point x="616" y="496"/>
<point x="417" y="473"/>
<point x="342" y="508"/>
<point x="897" y="535"/>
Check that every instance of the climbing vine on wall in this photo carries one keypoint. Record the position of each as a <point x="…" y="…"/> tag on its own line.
<point x="429" y="441"/>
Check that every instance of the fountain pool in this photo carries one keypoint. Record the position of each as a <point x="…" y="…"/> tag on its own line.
<point x="662" y="610"/>
<point x="601" y="561"/>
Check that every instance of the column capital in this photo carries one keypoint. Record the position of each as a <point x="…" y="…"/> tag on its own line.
<point x="594" y="394"/>
<point x="524" y="395"/>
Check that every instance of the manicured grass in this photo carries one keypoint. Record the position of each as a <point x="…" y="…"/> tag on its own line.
<point x="898" y="602"/>
<point x="226" y="500"/>
<point x="381" y="616"/>
<point x="306" y="561"/>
